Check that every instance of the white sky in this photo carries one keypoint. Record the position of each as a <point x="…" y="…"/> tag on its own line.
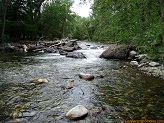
<point x="82" y="10"/>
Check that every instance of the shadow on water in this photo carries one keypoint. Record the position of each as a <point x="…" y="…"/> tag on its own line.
<point x="123" y="93"/>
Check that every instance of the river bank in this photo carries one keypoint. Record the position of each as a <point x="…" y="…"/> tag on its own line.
<point x="136" y="60"/>
<point x="154" y="71"/>
<point x="151" y="68"/>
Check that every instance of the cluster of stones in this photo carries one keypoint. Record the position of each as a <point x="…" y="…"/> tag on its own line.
<point x="139" y="60"/>
<point x="150" y="67"/>
<point x="63" y="47"/>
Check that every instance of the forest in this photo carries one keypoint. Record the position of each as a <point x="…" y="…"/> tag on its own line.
<point x="139" y="23"/>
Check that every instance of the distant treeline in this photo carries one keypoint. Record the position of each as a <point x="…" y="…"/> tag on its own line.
<point x="136" y="22"/>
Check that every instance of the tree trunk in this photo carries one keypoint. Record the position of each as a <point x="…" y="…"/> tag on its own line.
<point x="161" y="5"/>
<point x="162" y="9"/>
<point x="4" y="10"/>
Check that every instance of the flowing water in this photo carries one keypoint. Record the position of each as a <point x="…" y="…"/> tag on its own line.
<point x="123" y="93"/>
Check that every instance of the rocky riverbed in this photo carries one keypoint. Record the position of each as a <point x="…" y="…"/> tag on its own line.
<point x="46" y="87"/>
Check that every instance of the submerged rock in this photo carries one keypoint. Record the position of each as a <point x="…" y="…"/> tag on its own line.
<point x="27" y="114"/>
<point x="85" y="76"/>
<point x="66" y="87"/>
<point x="39" y="81"/>
<point x="99" y="76"/>
<point x="77" y="112"/>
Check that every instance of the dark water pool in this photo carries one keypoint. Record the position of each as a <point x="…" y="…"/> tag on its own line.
<point x="124" y="93"/>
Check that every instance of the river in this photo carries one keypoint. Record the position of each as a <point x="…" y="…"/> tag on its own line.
<point x="123" y="93"/>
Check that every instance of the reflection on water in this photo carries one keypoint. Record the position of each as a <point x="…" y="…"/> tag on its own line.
<point x="123" y="93"/>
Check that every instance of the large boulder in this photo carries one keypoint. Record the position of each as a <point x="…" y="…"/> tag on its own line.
<point x="116" y="52"/>
<point x="77" y="112"/>
<point x="75" y="55"/>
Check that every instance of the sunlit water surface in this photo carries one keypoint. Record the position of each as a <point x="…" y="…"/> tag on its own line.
<point x="123" y="93"/>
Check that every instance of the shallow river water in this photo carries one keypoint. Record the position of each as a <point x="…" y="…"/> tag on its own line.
<point x="122" y="94"/>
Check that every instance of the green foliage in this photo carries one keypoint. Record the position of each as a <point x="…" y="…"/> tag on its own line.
<point x="22" y="19"/>
<point x="82" y="28"/>
<point x="56" y="19"/>
<point x="139" y="23"/>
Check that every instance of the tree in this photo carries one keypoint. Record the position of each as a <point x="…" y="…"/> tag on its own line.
<point x="56" y="19"/>
<point x="21" y="19"/>
<point x="4" y="5"/>
<point x="138" y="23"/>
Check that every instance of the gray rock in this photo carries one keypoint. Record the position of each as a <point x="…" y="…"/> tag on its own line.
<point x="76" y="112"/>
<point x="32" y="47"/>
<point x="50" y="50"/>
<point x="141" y="57"/>
<point x="75" y="55"/>
<point x="39" y="81"/>
<point x="85" y="76"/>
<point x="71" y="43"/>
<point x="134" y="63"/>
<point x="153" y="64"/>
<point x="142" y="64"/>
<point x="27" y="114"/>
<point x="66" y="48"/>
<point x="116" y="52"/>
<point x="18" y="120"/>
<point x="74" y="44"/>
<point x="94" y="47"/>
<point x="9" y="48"/>
<point x="24" y="48"/>
<point x="132" y="54"/>
<point x="62" y="52"/>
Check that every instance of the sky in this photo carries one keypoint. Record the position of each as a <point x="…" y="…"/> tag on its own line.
<point x="82" y="10"/>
